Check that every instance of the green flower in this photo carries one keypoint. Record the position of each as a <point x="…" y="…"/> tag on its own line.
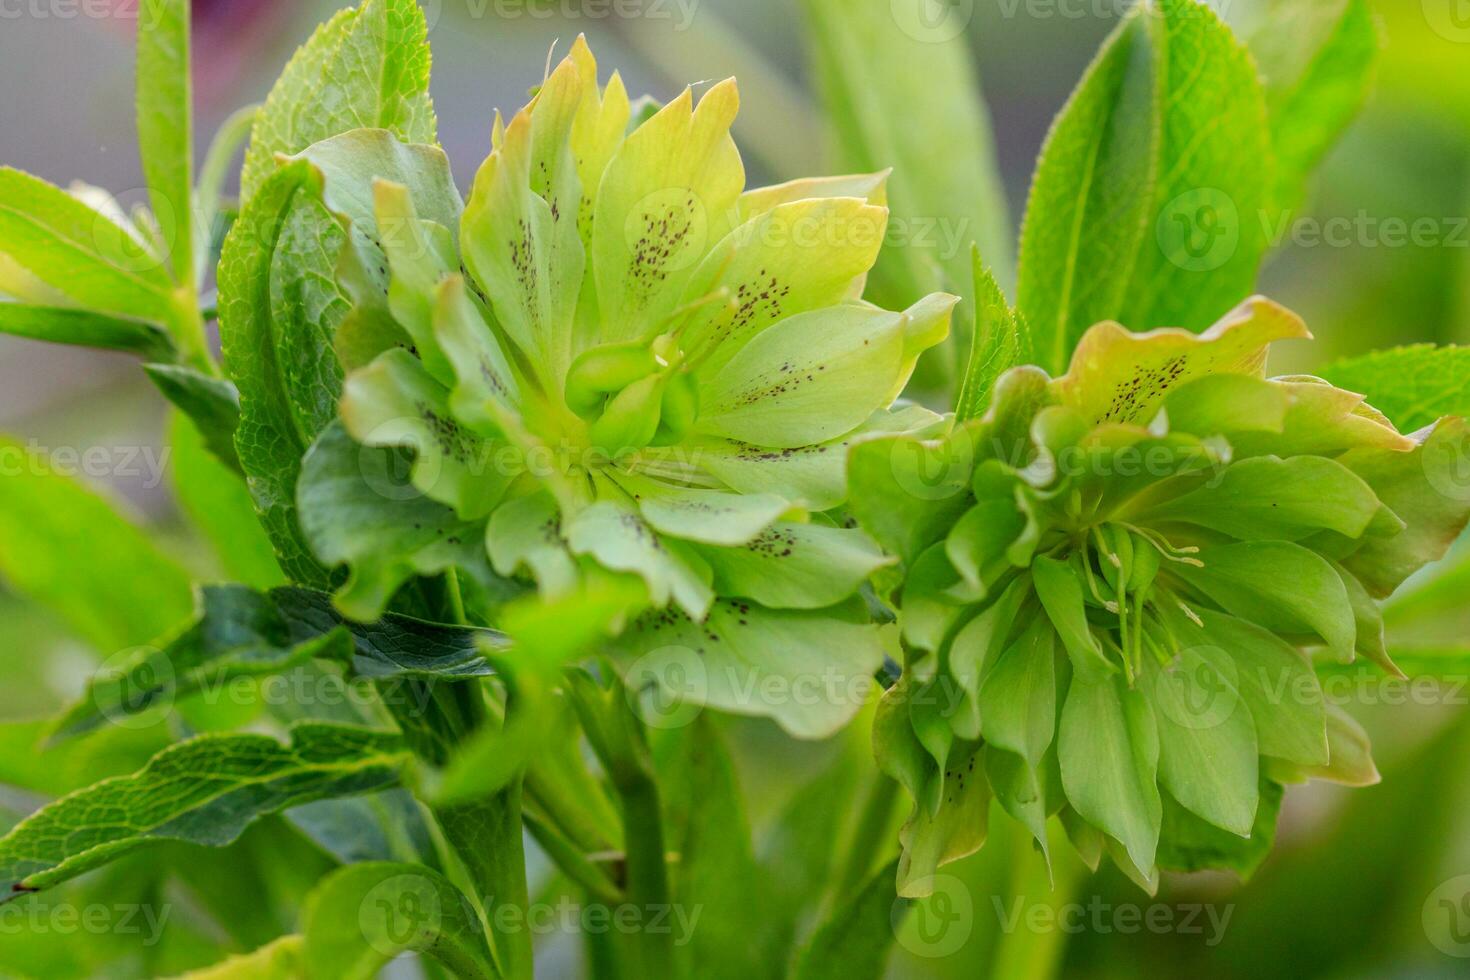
<point x="614" y="358"/>
<point x="1110" y="579"/>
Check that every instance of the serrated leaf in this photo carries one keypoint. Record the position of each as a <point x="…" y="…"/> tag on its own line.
<point x="1001" y="340"/>
<point x="1143" y="205"/>
<point x="1414" y="386"/>
<point x="263" y="332"/>
<point x="365" y="67"/>
<point x="203" y="791"/>
<point x="85" y="328"/>
<point x="363" y="917"/>
<point x="242" y="633"/>
<point x="166" y="126"/>
<point x="71" y="550"/>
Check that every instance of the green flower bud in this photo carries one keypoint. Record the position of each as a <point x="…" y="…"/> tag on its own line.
<point x="603" y="371"/>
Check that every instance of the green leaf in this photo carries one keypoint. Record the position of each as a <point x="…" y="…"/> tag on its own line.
<point x="1144" y="201"/>
<point x="1414" y="386"/>
<point x="1317" y="60"/>
<point x="1109" y="753"/>
<point x="1266" y="498"/>
<point x="203" y="791"/>
<point x="1190" y="844"/>
<point x="853" y="943"/>
<point x="273" y="316"/>
<point x="358" y="508"/>
<point x="1429" y="484"/>
<point x="1207" y="739"/>
<point x="242" y="633"/>
<point x="86" y="328"/>
<point x="212" y="405"/>
<point x="1278" y="585"/>
<point x="363" y="917"/>
<point x="954" y="827"/>
<point x="166" y="126"/>
<point x="69" y="549"/>
<point x="86" y="255"/>
<point x="1018" y="695"/>
<point x="366" y="67"/>
<point x="280" y="960"/>
<point x="942" y="200"/>
<point x="1001" y="341"/>
<point x="218" y="503"/>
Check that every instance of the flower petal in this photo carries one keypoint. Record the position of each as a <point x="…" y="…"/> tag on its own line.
<point x="791" y="259"/>
<point x="620" y="539"/>
<point x="872" y="188"/>
<point x="665" y="200"/>
<point x="706" y="516"/>
<point x="807" y="379"/>
<point x="796" y="566"/>
<point x="810" y="673"/>
<point x="395" y="402"/>
<point x="524" y="535"/>
<point x="1119" y="376"/>
<point x="519" y="232"/>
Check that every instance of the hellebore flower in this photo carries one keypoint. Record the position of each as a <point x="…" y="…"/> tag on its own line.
<point x="1109" y="581"/>
<point x="615" y="359"/>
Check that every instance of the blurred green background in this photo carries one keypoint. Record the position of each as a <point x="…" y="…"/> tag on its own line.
<point x="1363" y="883"/>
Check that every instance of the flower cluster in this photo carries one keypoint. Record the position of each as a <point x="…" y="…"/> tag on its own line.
<point x="1111" y="579"/>
<point x="614" y="358"/>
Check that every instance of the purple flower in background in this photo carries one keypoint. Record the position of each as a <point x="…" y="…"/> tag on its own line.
<point x="228" y="34"/>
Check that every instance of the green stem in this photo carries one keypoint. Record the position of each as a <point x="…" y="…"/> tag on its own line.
<point x="571" y="861"/>
<point x="648" y="876"/>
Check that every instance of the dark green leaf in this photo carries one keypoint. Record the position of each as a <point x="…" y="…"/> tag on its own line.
<point x="1001" y="341"/>
<point x="212" y="404"/>
<point x="85" y="328"/>
<point x="203" y="791"/>
<point x="1190" y="844"/>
